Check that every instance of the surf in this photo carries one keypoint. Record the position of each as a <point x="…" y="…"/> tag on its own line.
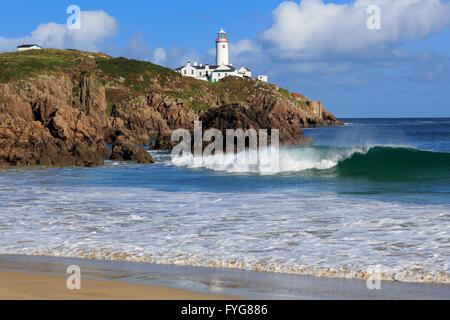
<point x="395" y="163"/>
<point x="372" y="162"/>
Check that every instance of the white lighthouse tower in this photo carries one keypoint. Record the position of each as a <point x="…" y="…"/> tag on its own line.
<point x="222" y="57"/>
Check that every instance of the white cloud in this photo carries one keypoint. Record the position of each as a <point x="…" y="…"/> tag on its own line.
<point x="243" y="46"/>
<point x="176" y="57"/>
<point x="312" y="29"/>
<point x="136" y="48"/>
<point x="159" y="56"/>
<point x="96" y="26"/>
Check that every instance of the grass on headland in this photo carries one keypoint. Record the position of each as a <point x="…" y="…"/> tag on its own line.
<point x="128" y="67"/>
<point x="26" y="64"/>
<point x="22" y="65"/>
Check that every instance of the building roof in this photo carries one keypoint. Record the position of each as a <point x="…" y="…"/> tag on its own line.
<point x="201" y="68"/>
<point x="225" y="70"/>
<point x="29" y="46"/>
<point x="225" y="67"/>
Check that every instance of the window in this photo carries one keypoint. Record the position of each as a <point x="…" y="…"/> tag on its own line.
<point x="200" y="73"/>
<point x="218" y="74"/>
<point x="192" y="71"/>
<point x="184" y="72"/>
<point x="223" y="46"/>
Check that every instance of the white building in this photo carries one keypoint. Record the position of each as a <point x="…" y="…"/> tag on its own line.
<point x="26" y="47"/>
<point x="262" y="78"/>
<point x="222" y="68"/>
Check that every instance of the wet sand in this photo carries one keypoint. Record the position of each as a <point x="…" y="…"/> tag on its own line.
<point x="29" y="286"/>
<point x="40" y="277"/>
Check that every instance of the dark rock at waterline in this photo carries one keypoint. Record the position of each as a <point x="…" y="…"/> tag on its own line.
<point x="276" y="114"/>
<point x="29" y="143"/>
<point x="123" y="150"/>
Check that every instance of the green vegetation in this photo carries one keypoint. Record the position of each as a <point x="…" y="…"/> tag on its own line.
<point x="192" y="89"/>
<point x="128" y="67"/>
<point x="230" y="83"/>
<point x="175" y="94"/>
<point x="21" y="65"/>
<point x="285" y="93"/>
<point x="293" y="97"/>
<point x="139" y="87"/>
<point x="236" y="88"/>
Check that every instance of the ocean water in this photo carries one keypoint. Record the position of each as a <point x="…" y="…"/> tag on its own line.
<point x="369" y="198"/>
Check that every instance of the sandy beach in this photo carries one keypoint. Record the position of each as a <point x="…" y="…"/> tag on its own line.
<point x="28" y="286"/>
<point x="44" y="278"/>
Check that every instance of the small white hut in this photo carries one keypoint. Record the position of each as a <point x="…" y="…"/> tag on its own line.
<point x="26" y="47"/>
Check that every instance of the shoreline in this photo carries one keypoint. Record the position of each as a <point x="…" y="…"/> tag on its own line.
<point x="16" y="285"/>
<point x="43" y="277"/>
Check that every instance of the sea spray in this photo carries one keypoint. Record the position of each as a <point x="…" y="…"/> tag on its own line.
<point x="372" y="162"/>
<point x="290" y="160"/>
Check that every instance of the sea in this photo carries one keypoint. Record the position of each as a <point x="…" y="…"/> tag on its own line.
<point x="370" y="198"/>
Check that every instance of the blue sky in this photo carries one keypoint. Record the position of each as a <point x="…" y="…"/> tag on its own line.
<point x="321" y="49"/>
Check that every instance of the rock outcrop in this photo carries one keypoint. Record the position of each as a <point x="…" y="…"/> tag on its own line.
<point x="39" y="125"/>
<point x="64" y="111"/>
<point x="29" y="143"/>
<point x="123" y="150"/>
<point x="274" y="115"/>
<point x="237" y="104"/>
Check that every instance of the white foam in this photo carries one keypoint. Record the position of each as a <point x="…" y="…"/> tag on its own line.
<point x="322" y="235"/>
<point x="289" y="160"/>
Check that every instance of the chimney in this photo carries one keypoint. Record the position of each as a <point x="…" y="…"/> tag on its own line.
<point x="195" y="63"/>
<point x="189" y="63"/>
<point x="201" y="65"/>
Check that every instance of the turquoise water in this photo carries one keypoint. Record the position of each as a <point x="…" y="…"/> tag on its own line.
<point x="371" y="196"/>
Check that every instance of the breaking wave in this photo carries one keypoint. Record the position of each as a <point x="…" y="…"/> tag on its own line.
<point x="376" y="162"/>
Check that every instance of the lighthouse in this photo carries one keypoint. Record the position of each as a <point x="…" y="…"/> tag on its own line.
<point x="223" y="68"/>
<point x="222" y="57"/>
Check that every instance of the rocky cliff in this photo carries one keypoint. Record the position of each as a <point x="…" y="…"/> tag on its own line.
<point x="62" y="107"/>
